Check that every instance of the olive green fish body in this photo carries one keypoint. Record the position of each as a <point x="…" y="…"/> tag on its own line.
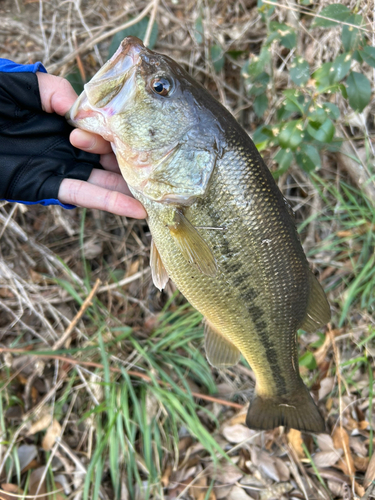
<point x="222" y="231"/>
<point x="258" y="298"/>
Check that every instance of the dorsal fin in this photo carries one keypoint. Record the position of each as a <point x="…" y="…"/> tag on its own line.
<point x="318" y="311"/>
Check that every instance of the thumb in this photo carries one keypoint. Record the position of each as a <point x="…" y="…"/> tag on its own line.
<point x="56" y="93"/>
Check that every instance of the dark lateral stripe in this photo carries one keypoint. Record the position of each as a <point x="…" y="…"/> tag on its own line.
<point x="240" y="279"/>
<point x="257" y="315"/>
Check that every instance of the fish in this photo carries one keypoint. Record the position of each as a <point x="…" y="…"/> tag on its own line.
<point x="221" y="229"/>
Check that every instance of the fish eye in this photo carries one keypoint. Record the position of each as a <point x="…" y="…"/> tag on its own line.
<point x="161" y="86"/>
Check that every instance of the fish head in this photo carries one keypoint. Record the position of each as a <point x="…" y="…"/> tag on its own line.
<point x="153" y="113"/>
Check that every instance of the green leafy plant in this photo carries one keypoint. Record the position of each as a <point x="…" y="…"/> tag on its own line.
<point x="305" y="119"/>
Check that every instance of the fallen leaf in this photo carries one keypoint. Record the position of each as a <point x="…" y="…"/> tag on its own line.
<point x="40" y="424"/>
<point x="34" y="481"/>
<point x="370" y="473"/>
<point x="199" y="488"/>
<point x="26" y="454"/>
<point x="240" y="417"/>
<point x="295" y="440"/>
<point x="362" y="425"/>
<point x="265" y="463"/>
<point x="282" y="469"/>
<point x="361" y="463"/>
<point x="222" y="491"/>
<point x="229" y="474"/>
<point x="166" y="475"/>
<point x="326" y="386"/>
<point x="327" y="458"/>
<point x="358" y="445"/>
<point x="341" y="440"/>
<point x="237" y="433"/>
<point x="359" y="489"/>
<point x="336" y="488"/>
<point x="184" y="443"/>
<point x="53" y="431"/>
<point x="10" y="488"/>
<point x="237" y="493"/>
<point x="325" y="442"/>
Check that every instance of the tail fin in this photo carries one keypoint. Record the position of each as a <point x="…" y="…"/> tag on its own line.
<point x="296" y="411"/>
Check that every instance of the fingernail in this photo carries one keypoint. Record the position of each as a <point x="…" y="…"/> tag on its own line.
<point x="82" y="139"/>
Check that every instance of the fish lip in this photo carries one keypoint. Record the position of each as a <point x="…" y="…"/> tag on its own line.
<point x="123" y="61"/>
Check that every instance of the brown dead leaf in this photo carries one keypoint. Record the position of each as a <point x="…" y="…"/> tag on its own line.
<point x="166" y="475"/>
<point x="34" y="482"/>
<point x="237" y="433"/>
<point x="237" y="493"/>
<point x="283" y="469"/>
<point x="9" y="488"/>
<point x="326" y="386"/>
<point x="341" y="440"/>
<point x="239" y="418"/>
<point x="53" y="431"/>
<point x="358" y="445"/>
<point x="370" y="473"/>
<point x="359" y="489"/>
<point x="222" y="491"/>
<point x="184" y="443"/>
<point x="265" y="463"/>
<point x="321" y="353"/>
<point x="295" y="440"/>
<point x="325" y="442"/>
<point x="229" y="474"/>
<point x="198" y="489"/>
<point x="336" y="488"/>
<point x="362" y="425"/>
<point x="327" y="458"/>
<point x="361" y="463"/>
<point x="40" y="424"/>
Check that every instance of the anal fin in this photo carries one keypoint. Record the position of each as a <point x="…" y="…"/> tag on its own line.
<point x="318" y="311"/>
<point x="220" y="352"/>
<point x="158" y="272"/>
<point x="191" y="244"/>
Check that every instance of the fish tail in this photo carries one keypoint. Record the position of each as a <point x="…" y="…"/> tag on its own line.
<point x="296" y="410"/>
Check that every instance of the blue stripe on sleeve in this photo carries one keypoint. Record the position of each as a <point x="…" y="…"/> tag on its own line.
<point x="7" y="66"/>
<point x="47" y="202"/>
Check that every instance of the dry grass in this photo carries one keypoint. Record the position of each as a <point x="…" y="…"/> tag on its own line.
<point x="105" y="390"/>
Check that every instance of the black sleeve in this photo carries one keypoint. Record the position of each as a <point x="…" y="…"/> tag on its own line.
<point x="35" y="152"/>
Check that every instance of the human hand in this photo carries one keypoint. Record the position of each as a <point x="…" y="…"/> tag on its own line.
<point x="104" y="189"/>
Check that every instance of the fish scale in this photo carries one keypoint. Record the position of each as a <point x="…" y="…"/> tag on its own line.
<point x="246" y="292"/>
<point x="221" y="229"/>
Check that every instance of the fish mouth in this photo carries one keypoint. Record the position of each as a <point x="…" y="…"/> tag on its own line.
<point x="99" y="95"/>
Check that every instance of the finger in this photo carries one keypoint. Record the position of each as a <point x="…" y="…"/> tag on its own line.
<point x="109" y="180"/>
<point x="109" y="162"/>
<point x="84" y="194"/>
<point x="93" y="143"/>
<point x="56" y="93"/>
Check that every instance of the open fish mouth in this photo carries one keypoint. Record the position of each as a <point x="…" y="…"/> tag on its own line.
<point x="109" y="89"/>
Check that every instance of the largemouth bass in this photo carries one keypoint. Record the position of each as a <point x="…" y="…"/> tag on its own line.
<point x="221" y="229"/>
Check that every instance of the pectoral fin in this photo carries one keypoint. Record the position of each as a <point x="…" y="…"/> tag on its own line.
<point x="318" y="310"/>
<point x="158" y="272"/>
<point x="220" y="352"/>
<point x="192" y="245"/>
